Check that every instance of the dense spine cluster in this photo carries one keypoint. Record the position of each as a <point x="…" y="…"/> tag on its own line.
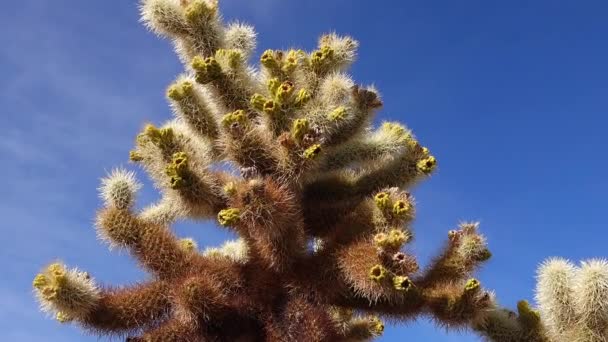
<point x="317" y="197"/>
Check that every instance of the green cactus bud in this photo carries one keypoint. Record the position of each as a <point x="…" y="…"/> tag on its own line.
<point x="174" y="92"/>
<point x="484" y="255"/>
<point x="299" y="128"/>
<point x="62" y="317"/>
<point x="381" y="239"/>
<point x="152" y="132"/>
<point x="257" y="101"/>
<point x="268" y="60"/>
<point x="338" y="114"/>
<point x="177" y="170"/>
<point x="40" y="281"/>
<point x="528" y="316"/>
<point x="238" y="116"/>
<point x="401" y="283"/>
<point x="427" y="165"/>
<point x="321" y="58"/>
<point x="135" y="157"/>
<point x="472" y="285"/>
<point x="56" y="270"/>
<point x="425" y="152"/>
<point x="49" y="292"/>
<point x="291" y="61"/>
<point x="272" y="108"/>
<point x="396" y="238"/>
<point x="383" y="200"/>
<point x="376" y="326"/>
<point x="229" y="217"/>
<point x="177" y="182"/>
<point x="178" y="165"/>
<point x="377" y="273"/>
<point x="199" y="10"/>
<point x="401" y="208"/>
<point x="188" y="244"/>
<point x="312" y="152"/>
<point x="207" y="69"/>
<point x="230" y="189"/>
<point x="284" y="92"/>
<point x="180" y="162"/>
<point x="394" y="129"/>
<point x="232" y="56"/>
<point x="273" y="85"/>
<point x="302" y="98"/>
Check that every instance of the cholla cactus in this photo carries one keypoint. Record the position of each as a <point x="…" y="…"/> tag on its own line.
<point x="311" y="172"/>
<point x="574" y="300"/>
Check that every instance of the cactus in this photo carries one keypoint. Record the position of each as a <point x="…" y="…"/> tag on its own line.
<point x="307" y="169"/>
<point x="573" y="300"/>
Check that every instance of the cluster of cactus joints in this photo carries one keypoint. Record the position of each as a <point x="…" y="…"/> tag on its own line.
<point x="311" y="170"/>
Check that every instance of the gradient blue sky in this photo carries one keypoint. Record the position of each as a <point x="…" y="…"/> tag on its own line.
<point x="512" y="97"/>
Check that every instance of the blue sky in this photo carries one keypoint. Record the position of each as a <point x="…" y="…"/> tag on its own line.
<point x="511" y="96"/>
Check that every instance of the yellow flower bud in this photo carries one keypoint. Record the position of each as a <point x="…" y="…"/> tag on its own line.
<point x="257" y="101"/>
<point x="401" y="208"/>
<point x="472" y="285"/>
<point x="40" y="281"/>
<point x="285" y="91"/>
<point x="268" y="60"/>
<point x="401" y="283"/>
<point x="312" y="152"/>
<point x="62" y="317"/>
<point x="338" y="114"/>
<point x="238" y="116"/>
<point x="229" y="217"/>
<point x="302" y="98"/>
<point x="427" y="165"/>
<point x="188" y="244"/>
<point x="377" y="273"/>
<point x="382" y="200"/>
<point x="299" y="128"/>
